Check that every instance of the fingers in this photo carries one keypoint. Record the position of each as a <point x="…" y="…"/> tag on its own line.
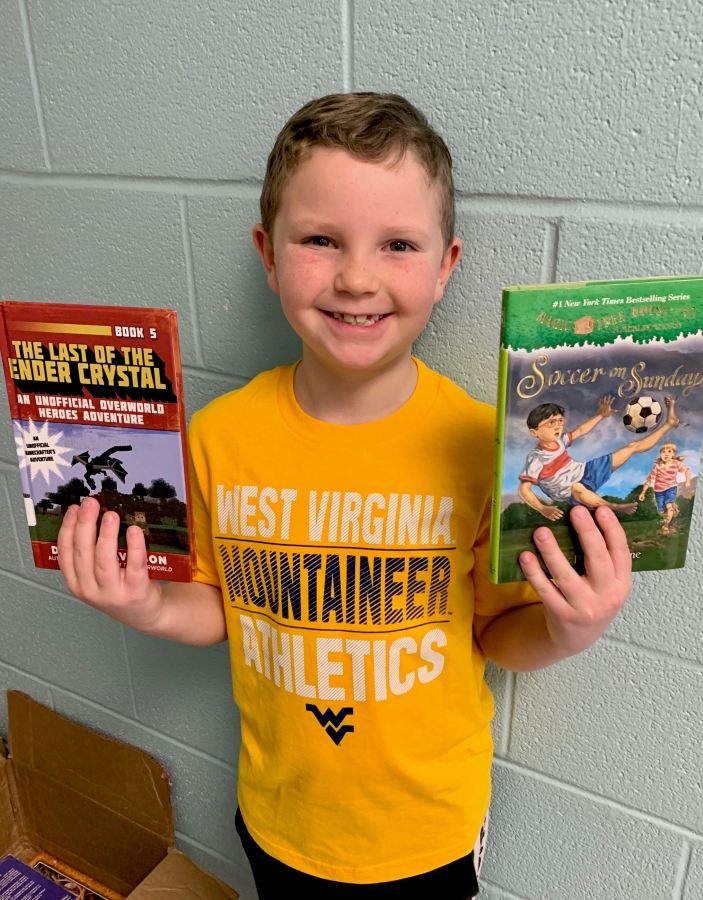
<point x="616" y="542"/>
<point x="107" y="567"/>
<point x="84" y="545"/>
<point x="548" y="593"/>
<point x="64" y="543"/>
<point x="597" y="561"/>
<point x="136" y="572"/>
<point x="564" y="575"/>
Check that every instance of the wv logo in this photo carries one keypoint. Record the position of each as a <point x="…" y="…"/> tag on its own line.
<point x="332" y="723"/>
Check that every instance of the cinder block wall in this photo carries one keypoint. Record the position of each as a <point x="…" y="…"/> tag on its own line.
<point x="133" y="137"/>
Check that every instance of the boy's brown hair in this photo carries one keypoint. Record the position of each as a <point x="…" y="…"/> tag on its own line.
<point x="372" y="127"/>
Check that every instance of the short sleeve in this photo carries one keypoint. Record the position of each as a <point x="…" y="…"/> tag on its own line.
<point x="206" y="569"/>
<point x="532" y="469"/>
<point x="493" y="599"/>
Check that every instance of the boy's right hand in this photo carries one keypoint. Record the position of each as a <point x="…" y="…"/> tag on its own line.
<point x="551" y="512"/>
<point x="93" y="574"/>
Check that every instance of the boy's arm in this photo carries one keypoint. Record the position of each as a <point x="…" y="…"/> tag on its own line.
<point x="191" y="613"/>
<point x="526" y="494"/>
<point x="575" y="609"/>
<point x="604" y="411"/>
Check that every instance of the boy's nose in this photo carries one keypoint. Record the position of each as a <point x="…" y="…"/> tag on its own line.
<point x="356" y="276"/>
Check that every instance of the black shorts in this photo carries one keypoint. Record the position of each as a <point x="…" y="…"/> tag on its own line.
<point x="274" y="879"/>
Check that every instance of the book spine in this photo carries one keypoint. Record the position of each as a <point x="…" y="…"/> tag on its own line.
<point x="494" y="549"/>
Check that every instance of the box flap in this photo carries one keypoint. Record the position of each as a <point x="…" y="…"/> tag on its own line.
<point x="120" y="777"/>
<point x="101" y="805"/>
<point x="179" y="875"/>
<point x="9" y="828"/>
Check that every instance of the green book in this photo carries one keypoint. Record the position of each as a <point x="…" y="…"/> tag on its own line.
<point x="600" y="401"/>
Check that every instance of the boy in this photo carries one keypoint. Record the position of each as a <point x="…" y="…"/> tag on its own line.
<point x="663" y="479"/>
<point x="560" y="477"/>
<point x="342" y="511"/>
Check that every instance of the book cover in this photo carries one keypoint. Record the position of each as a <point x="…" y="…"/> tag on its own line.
<point x="18" y="881"/>
<point x="96" y="402"/>
<point x="599" y="403"/>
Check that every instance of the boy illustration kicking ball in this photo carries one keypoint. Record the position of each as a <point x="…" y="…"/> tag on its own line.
<point x="560" y="477"/>
<point x="663" y="479"/>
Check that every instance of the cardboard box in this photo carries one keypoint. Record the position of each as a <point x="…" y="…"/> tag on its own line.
<point x="99" y="805"/>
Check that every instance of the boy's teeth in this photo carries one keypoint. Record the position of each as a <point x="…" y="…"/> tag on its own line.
<point x="356" y="320"/>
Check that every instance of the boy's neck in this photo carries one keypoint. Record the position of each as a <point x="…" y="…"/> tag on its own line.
<point x="350" y="397"/>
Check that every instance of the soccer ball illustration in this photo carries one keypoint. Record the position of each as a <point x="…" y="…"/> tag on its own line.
<point x="643" y="414"/>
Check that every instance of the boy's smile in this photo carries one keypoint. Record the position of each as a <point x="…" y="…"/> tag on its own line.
<point x="358" y="259"/>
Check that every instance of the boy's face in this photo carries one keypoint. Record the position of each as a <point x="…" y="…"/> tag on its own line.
<point x="550" y="430"/>
<point x="357" y="258"/>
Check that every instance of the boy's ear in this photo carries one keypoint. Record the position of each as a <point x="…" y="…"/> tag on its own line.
<point x="451" y="257"/>
<point x="264" y="248"/>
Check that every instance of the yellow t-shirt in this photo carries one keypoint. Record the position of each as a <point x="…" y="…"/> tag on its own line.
<point x="352" y="559"/>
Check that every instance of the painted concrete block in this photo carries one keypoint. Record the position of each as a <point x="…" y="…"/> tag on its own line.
<point x="571" y="100"/>
<point x="493" y="892"/>
<point x="179" y="88"/>
<point x="243" y="329"/>
<point x="200" y="389"/>
<point x="597" y="249"/>
<point x="20" y="139"/>
<point x="100" y="247"/>
<point x="237" y="874"/>
<point x="664" y="609"/>
<point x="495" y="679"/>
<point x="12" y="549"/>
<point x="10" y="680"/>
<point x="463" y="335"/>
<point x="547" y="843"/>
<point x="62" y="641"/>
<point x="185" y="692"/>
<point x="204" y="793"/>
<point x="619" y="722"/>
<point x="694" y="878"/>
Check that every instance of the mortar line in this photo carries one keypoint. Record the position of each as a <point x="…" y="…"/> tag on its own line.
<point x="499" y="887"/>
<point x="190" y="275"/>
<point x="195" y="751"/>
<point x="599" y="799"/>
<point x="347" y="11"/>
<point x="507" y="720"/>
<point x="654" y="653"/>
<point x="214" y="375"/>
<point x="24" y="579"/>
<point x="34" y="78"/>
<point x="250" y="188"/>
<point x="243" y="189"/>
<point x="219" y="856"/>
<point x="550" y="250"/>
<point x="128" y="665"/>
<point x="13" y="521"/>
<point x="682" y="871"/>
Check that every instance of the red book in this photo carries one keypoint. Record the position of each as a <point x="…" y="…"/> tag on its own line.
<point x="96" y="400"/>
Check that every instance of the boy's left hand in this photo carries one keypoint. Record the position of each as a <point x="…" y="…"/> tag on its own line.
<point x="579" y="608"/>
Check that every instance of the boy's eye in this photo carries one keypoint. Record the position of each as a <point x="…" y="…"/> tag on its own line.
<point x="398" y="246"/>
<point x="319" y="241"/>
